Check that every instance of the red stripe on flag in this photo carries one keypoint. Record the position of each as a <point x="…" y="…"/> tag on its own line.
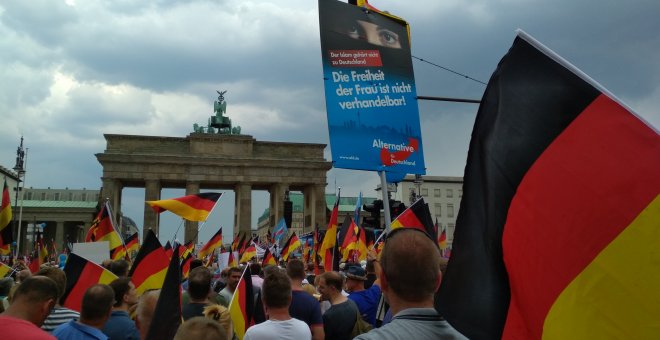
<point x="153" y="263"/>
<point x="89" y="276"/>
<point x="597" y="157"/>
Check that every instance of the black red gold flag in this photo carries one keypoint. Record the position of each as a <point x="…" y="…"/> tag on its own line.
<point x="557" y="232"/>
<point x="167" y="314"/>
<point x="192" y="207"/>
<point x="416" y="216"/>
<point x="150" y="265"/>
<point x="80" y="275"/>
<point x="6" y="236"/>
<point x="241" y="307"/>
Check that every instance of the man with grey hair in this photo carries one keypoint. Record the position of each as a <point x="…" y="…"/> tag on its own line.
<point x="409" y="275"/>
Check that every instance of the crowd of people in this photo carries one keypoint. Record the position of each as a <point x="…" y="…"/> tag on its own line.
<point x="391" y="296"/>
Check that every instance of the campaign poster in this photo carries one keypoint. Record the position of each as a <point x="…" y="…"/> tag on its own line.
<point x="370" y="94"/>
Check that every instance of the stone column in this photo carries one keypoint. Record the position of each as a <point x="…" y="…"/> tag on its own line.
<point x="151" y="218"/>
<point x="276" y="209"/>
<point x="243" y="209"/>
<point x="59" y="234"/>
<point x="192" y="188"/>
<point x="112" y="191"/>
<point x="320" y="207"/>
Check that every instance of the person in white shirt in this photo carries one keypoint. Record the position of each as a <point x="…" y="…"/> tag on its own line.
<point x="276" y="298"/>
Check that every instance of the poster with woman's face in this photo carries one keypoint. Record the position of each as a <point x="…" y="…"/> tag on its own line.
<point x="370" y="93"/>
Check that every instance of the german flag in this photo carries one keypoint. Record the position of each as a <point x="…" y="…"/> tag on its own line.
<point x="361" y="249"/>
<point x="185" y="266"/>
<point x="40" y="255"/>
<point x="557" y="234"/>
<point x="80" y="275"/>
<point x="150" y="265"/>
<point x="192" y="207"/>
<point x="168" y="308"/>
<point x="442" y="240"/>
<point x="132" y="243"/>
<point x="241" y="307"/>
<point x="118" y="253"/>
<point x="236" y="242"/>
<point x="291" y="244"/>
<point x="330" y="239"/>
<point x="315" y="250"/>
<point x="6" y="236"/>
<point x="249" y="253"/>
<point x="103" y="230"/>
<point x="231" y="262"/>
<point x="269" y="259"/>
<point x="214" y="243"/>
<point x="417" y="216"/>
<point x="188" y="249"/>
<point x="245" y="242"/>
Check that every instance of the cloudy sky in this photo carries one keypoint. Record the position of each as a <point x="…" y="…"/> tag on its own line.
<point x="73" y="70"/>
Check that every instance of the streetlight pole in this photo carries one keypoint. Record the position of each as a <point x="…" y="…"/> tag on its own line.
<point x="20" y="171"/>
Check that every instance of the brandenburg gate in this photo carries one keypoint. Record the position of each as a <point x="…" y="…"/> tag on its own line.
<point x="219" y="162"/>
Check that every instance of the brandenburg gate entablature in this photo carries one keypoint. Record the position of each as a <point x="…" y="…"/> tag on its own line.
<point x="218" y="162"/>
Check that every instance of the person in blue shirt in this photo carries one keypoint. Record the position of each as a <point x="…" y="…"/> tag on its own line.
<point x="95" y="312"/>
<point x="366" y="299"/>
<point x="120" y="326"/>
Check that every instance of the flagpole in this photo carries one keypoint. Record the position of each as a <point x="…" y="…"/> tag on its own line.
<point x="112" y="221"/>
<point x="177" y="229"/>
<point x="386" y="201"/>
<point x="334" y="249"/>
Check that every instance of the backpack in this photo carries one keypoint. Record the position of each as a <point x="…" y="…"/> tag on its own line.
<point x="360" y="326"/>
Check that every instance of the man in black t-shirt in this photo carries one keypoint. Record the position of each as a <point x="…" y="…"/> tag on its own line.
<point x="339" y="319"/>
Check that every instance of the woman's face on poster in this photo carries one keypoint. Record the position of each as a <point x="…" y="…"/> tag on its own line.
<point x="374" y="34"/>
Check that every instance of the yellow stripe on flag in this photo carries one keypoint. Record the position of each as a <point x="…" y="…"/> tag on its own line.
<point x="107" y="277"/>
<point x="154" y="281"/>
<point x="617" y="296"/>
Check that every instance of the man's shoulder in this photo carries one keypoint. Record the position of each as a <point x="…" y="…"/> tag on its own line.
<point x="19" y="328"/>
<point x="414" y="323"/>
<point x="303" y="296"/>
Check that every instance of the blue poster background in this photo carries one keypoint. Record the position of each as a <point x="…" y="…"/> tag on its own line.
<point x="373" y="118"/>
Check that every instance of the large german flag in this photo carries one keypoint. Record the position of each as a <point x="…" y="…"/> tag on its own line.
<point x="327" y="249"/>
<point x="168" y="308"/>
<point x="214" y="243"/>
<point x="290" y="246"/>
<point x="417" y="216"/>
<point x="80" y="275"/>
<point x="150" y="265"/>
<point x="557" y="233"/>
<point x="192" y="207"/>
<point x="6" y="236"/>
<point x="241" y="307"/>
